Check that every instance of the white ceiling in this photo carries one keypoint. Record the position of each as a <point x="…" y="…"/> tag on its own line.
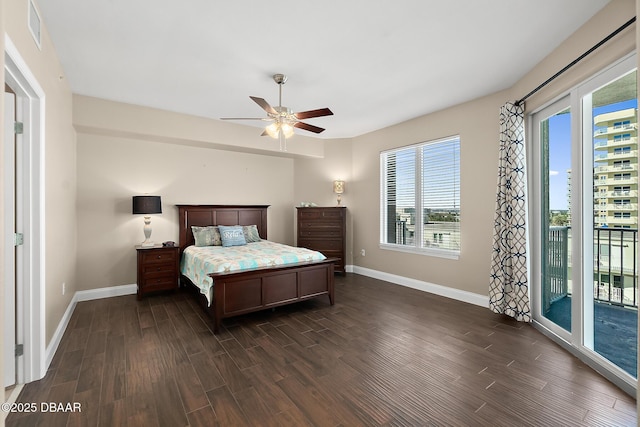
<point x="374" y="63"/>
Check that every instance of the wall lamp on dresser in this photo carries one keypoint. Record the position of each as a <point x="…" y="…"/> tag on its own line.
<point x="338" y="188"/>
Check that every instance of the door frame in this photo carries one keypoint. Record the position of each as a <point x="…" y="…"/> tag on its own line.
<point x="9" y="224"/>
<point x="30" y="292"/>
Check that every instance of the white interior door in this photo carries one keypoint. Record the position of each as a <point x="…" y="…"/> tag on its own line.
<point x="9" y="308"/>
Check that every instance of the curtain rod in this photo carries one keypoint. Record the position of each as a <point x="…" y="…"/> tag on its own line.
<point x="581" y="57"/>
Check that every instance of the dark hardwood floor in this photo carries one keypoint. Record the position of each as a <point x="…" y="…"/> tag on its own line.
<point x="382" y="355"/>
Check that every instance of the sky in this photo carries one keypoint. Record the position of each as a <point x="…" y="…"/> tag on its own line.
<point x="560" y="152"/>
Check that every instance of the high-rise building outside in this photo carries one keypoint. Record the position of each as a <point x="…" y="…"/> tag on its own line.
<point x="616" y="169"/>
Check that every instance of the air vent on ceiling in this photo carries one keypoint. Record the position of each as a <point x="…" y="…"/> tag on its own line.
<point x="34" y="23"/>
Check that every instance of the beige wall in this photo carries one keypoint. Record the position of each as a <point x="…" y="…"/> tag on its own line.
<point x="477" y="124"/>
<point x="112" y="168"/>
<point x="59" y="162"/>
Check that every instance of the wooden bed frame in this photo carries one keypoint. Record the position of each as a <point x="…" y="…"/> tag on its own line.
<point x="246" y="291"/>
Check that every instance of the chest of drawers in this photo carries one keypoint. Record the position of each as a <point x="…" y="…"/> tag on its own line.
<point x="323" y="229"/>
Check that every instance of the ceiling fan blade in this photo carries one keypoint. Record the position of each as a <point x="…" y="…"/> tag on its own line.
<point x="264" y="104"/>
<point x="313" y="113"/>
<point x="307" y="126"/>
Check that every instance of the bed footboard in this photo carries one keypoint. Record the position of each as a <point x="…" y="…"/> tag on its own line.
<point x="253" y="290"/>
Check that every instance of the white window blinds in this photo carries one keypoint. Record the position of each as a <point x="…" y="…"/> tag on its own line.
<point x="420" y="196"/>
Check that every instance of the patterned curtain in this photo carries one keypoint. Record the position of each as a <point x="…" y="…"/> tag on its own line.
<point x="509" y="284"/>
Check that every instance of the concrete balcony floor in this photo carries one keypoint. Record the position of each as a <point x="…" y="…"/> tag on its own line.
<point x="616" y="331"/>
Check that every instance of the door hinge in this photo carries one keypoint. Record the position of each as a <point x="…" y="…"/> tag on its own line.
<point x="18" y="239"/>
<point x="19" y="350"/>
<point x="18" y="128"/>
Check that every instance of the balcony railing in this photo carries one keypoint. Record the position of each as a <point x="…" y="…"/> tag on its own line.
<point x="622" y="206"/>
<point x="556" y="276"/>
<point x="615" y="267"/>
<point x="601" y="144"/>
<point x="615" y="259"/>
<point x="625" y="193"/>
<point x="615" y="155"/>
<point x="616" y="168"/>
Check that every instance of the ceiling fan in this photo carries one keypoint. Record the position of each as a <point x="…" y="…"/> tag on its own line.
<point x="282" y="118"/>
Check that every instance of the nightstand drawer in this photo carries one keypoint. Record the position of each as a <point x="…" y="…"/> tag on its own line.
<point x="161" y="283"/>
<point x="151" y="269"/>
<point x="152" y="275"/>
<point x="151" y="256"/>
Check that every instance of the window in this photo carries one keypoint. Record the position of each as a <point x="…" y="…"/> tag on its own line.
<point x="624" y="215"/>
<point x="622" y="150"/>
<point x="622" y="176"/>
<point x="622" y="190"/>
<point x="622" y="164"/>
<point x="623" y="137"/>
<point x="420" y="198"/>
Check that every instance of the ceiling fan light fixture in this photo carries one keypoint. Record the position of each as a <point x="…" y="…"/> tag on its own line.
<point x="287" y="129"/>
<point x="273" y="130"/>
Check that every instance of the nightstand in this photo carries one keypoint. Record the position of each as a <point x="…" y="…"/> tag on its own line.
<point x="158" y="269"/>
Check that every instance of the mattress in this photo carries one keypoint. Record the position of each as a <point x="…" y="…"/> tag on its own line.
<point x="198" y="262"/>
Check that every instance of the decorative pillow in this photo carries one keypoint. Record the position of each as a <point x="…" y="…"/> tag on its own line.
<point x="251" y="233"/>
<point x="232" y="235"/>
<point x="206" y="236"/>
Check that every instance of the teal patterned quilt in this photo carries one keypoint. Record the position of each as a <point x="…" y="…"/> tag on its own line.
<point x="198" y="262"/>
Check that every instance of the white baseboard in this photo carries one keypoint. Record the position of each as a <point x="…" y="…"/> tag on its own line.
<point x="88" y="295"/>
<point x="113" y="291"/>
<point x="456" y="294"/>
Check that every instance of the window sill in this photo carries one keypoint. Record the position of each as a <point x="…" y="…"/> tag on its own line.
<point x="439" y="253"/>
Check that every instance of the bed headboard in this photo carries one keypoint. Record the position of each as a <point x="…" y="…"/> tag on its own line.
<point x="203" y="215"/>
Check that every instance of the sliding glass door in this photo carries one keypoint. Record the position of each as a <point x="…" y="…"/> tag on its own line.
<point x="585" y="220"/>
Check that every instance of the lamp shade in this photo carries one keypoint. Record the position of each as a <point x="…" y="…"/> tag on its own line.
<point x="338" y="186"/>
<point x="147" y="205"/>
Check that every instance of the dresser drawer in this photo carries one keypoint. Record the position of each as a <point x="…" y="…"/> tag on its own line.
<point x="334" y="254"/>
<point x="320" y="225"/>
<point x="318" y="214"/>
<point x="311" y="233"/>
<point x="321" y="245"/>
